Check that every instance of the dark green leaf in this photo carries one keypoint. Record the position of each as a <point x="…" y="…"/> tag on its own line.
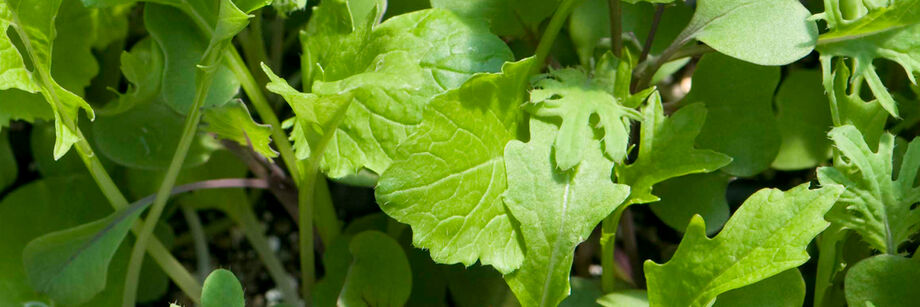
<point x="222" y="289"/>
<point x="685" y="196"/>
<point x="803" y="118"/>
<point x="379" y="274"/>
<point x="781" y="290"/>
<point x="883" y="280"/>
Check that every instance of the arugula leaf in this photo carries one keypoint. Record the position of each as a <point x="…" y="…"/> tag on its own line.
<point x="379" y="274"/>
<point x="222" y="289"/>
<point x="233" y="122"/>
<point x="783" y="289"/>
<point x="570" y="95"/>
<point x="868" y="117"/>
<point x="875" y="205"/>
<point x="557" y="210"/>
<point x="517" y="18"/>
<point x="34" y="27"/>
<point x="459" y="147"/>
<point x="887" y="32"/>
<point x="766" y="236"/>
<point x="392" y="69"/>
<point x="740" y="122"/>
<point x="775" y="32"/>
<point x="685" y="196"/>
<point x="666" y="150"/>
<point x="803" y="119"/>
<point x="8" y="168"/>
<point x="883" y="280"/>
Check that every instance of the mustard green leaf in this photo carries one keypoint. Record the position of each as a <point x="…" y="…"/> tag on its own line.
<point x="557" y="210"/>
<point x="8" y="169"/>
<point x="233" y="122"/>
<point x="879" y="197"/>
<point x="780" y="290"/>
<point x="883" y="280"/>
<point x="886" y="32"/>
<point x="685" y="196"/>
<point x="447" y="178"/>
<point x="868" y="117"/>
<point x="570" y="95"/>
<point x="740" y="122"/>
<point x="803" y="118"/>
<point x="379" y="274"/>
<point x="767" y="235"/>
<point x="625" y="298"/>
<point x="773" y="32"/>
<point x="222" y="289"/>
<point x="392" y="69"/>
<point x="666" y="150"/>
<point x="507" y="17"/>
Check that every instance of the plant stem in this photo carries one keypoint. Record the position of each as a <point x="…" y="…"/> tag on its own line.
<point x="616" y="26"/>
<point x="549" y="35"/>
<point x="253" y="230"/>
<point x="608" y="244"/>
<point x="327" y="224"/>
<point x="647" y="46"/>
<point x="307" y="259"/>
<point x="827" y="260"/>
<point x="201" y="241"/>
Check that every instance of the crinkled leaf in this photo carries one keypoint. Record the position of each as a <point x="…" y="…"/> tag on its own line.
<point x="392" y="69"/>
<point x="766" y="236"/>
<point x="379" y="274"/>
<point x="625" y="298"/>
<point x="879" y="196"/>
<point x="740" y="122"/>
<point x="507" y="17"/>
<point x="233" y="122"/>
<point x="666" y="150"/>
<point x="888" y="32"/>
<point x="222" y="289"/>
<point x="685" y="196"/>
<point x="771" y="32"/>
<point x="8" y="168"/>
<point x="803" y="119"/>
<point x="557" y="210"/>
<point x="883" y="280"/>
<point x="780" y="290"/>
<point x="570" y="95"/>
<point x="447" y="178"/>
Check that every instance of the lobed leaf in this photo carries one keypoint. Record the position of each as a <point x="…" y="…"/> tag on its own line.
<point x="766" y="236"/>
<point x="233" y="122"/>
<point x="556" y="209"/>
<point x="875" y="204"/>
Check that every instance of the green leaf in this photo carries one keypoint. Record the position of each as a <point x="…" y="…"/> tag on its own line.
<point x="41" y="141"/>
<point x="34" y="26"/>
<point x="557" y="210"/>
<point x="775" y="32"/>
<point x="883" y="280"/>
<point x="143" y="68"/>
<point x="740" y="122"/>
<point x="584" y="292"/>
<point x="666" y="150"/>
<point x="685" y="196"/>
<point x="19" y="105"/>
<point x="766" y="236"/>
<point x="233" y="122"/>
<point x="459" y="147"/>
<point x="8" y="168"/>
<point x="625" y="298"/>
<point x="569" y="94"/>
<point x="868" y="117"/>
<point x="884" y="33"/>
<point x="803" y="119"/>
<point x="222" y="289"/>
<point x="379" y="275"/>
<point x="875" y="205"/>
<point x="476" y="286"/>
<point x="392" y="69"/>
<point x="508" y="18"/>
<point x="286" y="7"/>
<point x="780" y="290"/>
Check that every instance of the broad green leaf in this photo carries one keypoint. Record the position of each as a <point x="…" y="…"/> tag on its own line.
<point x="868" y="117"/>
<point x="233" y="122"/>
<point x="447" y="178"/>
<point x="557" y="210"/>
<point x="781" y="290"/>
<point x="887" y="32"/>
<point x="183" y="46"/>
<point x="803" y="118"/>
<point x="379" y="274"/>
<point x="338" y="258"/>
<point x="740" y="122"/>
<point x="767" y="235"/>
<point x="34" y="26"/>
<point x="392" y="69"/>
<point x="584" y="292"/>
<point x="666" y="150"/>
<point x="569" y="94"/>
<point x="685" y="196"/>
<point x="879" y="197"/>
<point x="516" y="18"/>
<point x="883" y="280"/>
<point x="476" y="286"/>
<point x="625" y="298"/>
<point x="8" y="168"/>
<point x="765" y="32"/>
<point x="19" y="105"/>
<point x="222" y="289"/>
